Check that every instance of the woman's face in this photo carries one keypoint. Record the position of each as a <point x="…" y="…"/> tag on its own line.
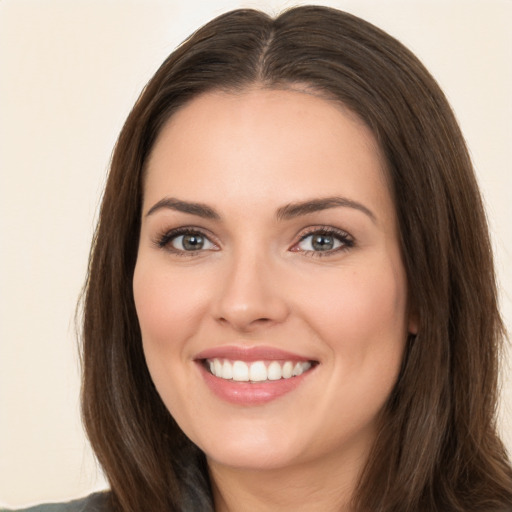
<point x="269" y="256"/>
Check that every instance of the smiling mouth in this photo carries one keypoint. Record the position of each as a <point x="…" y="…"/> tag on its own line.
<point x="256" y="371"/>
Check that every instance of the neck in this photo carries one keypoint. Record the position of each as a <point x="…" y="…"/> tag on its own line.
<point x="305" y="486"/>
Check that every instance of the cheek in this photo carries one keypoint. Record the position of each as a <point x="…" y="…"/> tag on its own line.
<point x="362" y="316"/>
<point x="168" y="306"/>
<point x="167" y="303"/>
<point x="364" y="326"/>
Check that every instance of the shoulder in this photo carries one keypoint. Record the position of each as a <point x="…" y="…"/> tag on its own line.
<point x="97" y="502"/>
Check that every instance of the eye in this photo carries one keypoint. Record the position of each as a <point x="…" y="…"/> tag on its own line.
<point x="181" y="241"/>
<point x="191" y="242"/>
<point x="325" y="241"/>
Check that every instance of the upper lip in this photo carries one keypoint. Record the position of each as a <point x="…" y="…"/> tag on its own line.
<point x="254" y="353"/>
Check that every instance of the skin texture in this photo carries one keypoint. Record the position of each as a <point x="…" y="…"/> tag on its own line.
<point x="258" y="282"/>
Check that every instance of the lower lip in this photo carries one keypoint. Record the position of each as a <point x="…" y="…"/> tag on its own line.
<point x="251" y="393"/>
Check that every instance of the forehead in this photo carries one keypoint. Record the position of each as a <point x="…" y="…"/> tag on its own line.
<point x="261" y="144"/>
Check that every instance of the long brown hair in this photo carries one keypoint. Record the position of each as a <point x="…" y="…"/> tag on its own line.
<point x="437" y="447"/>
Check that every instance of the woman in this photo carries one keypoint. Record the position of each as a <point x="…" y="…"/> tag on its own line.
<point x="291" y="300"/>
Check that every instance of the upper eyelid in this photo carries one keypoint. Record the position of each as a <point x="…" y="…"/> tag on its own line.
<point x="186" y="229"/>
<point x="331" y="230"/>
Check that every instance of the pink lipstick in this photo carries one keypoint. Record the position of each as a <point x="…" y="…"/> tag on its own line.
<point x="252" y="375"/>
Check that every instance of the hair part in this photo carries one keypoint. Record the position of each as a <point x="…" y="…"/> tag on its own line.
<point x="437" y="447"/>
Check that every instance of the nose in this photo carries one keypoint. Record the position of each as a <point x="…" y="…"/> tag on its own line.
<point x="251" y="295"/>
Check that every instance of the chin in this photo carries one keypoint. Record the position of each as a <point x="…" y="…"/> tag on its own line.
<point x="256" y="447"/>
<point x="254" y="457"/>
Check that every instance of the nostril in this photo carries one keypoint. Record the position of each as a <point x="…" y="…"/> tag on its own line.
<point x="244" y="324"/>
<point x="245" y="308"/>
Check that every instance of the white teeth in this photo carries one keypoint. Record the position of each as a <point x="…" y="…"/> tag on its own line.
<point x="274" y="371"/>
<point x="300" y="368"/>
<point x="240" y="371"/>
<point x="256" y="371"/>
<point x="297" y="370"/>
<point x="227" y="370"/>
<point x="287" y="369"/>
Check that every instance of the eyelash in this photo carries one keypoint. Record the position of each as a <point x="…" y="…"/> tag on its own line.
<point x="164" y="240"/>
<point x="347" y="242"/>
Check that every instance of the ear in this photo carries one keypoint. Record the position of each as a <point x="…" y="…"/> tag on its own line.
<point x="412" y="326"/>
<point x="413" y="317"/>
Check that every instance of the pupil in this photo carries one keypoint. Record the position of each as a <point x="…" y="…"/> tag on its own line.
<point x="192" y="242"/>
<point x="323" y="242"/>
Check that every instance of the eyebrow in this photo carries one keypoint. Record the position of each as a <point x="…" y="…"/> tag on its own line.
<point x="293" y="210"/>
<point x="199" y="209"/>
<point x="287" y="212"/>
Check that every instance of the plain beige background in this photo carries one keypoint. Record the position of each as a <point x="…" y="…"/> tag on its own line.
<point x="70" y="71"/>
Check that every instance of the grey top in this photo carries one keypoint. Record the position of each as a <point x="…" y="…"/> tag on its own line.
<point x="97" y="502"/>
